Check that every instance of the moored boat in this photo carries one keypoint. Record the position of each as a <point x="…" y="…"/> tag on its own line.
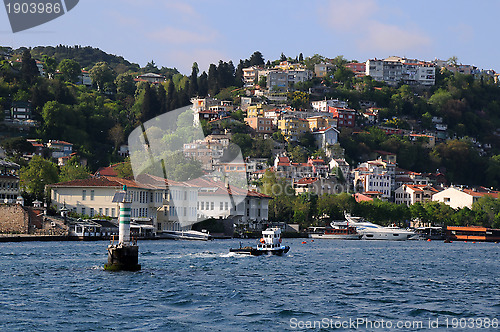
<point x="185" y="235"/>
<point x="371" y="231"/>
<point x="337" y="231"/>
<point x="270" y="244"/>
<point x="471" y="233"/>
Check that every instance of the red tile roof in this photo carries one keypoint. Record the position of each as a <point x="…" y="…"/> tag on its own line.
<point x="108" y="171"/>
<point x="89" y="182"/>
<point x="362" y="198"/>
<point x="306" y="180"/>
<point x="475" y="193"/>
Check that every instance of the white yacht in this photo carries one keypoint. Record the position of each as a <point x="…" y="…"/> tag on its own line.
<point x="371" y="231"/>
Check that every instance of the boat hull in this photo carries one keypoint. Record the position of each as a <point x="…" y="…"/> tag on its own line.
<point x="336" y="236"/>
<point x="185" y="235"/>
<point x="258" y="252"/>
<point x="387" y="236"/>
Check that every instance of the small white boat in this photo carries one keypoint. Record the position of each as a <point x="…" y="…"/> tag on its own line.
<point x="371" y="231"/>
<point x="270" y="243"/>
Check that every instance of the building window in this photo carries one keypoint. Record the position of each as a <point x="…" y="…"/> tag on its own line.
<point x="226" y="205"/>
<point x="202" y="205"/>
<point x="113" y="212"/>
<point x="212" y="205"/>
<point x="100" y="211"/>
<point x="83" y="211"/>
<point x="446" y="200"/>
<point x="92" y="195"/>
<point x="106" y="212"/>
<point x="91" y="212"/>
<point x="84" y="195"/>
<point x="221" y="206"/>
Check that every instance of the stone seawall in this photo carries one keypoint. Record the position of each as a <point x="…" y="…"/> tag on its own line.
<point x="14" y="219"/>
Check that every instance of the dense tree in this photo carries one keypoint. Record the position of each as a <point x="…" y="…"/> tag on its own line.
<point x="161" y="99"/>
<point x="101" y="74"/>
<point x="193" y="80"/>
<point x="117" y="136"/>
<point x="299" y="99"/>
<point x="124" y="170"/>
<point x="313" y="60"/>
<point x="70" y="69"/>
<point x="238" y="74"/>
<point x="212" y="83"/>
<point x="39" y="173"/>
<point x="148" y="104"/>
<point x="49" y="65"/>
<point x="125" y="84"/>
<point x="86" y="56"/>
<point x="17" y="146"/>
<point x="29" y="70"/>
<point x="256" y="59"/>
<point x="203" y="85"/>
<point x="73" y="170"/>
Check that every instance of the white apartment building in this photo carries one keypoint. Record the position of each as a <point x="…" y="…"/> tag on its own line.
<point x="93" y="197"/>
<point x="216" y="201"/>
<point x="282" y="80"/>
<point x="410" y="194"/>
<point x="394" y="69"/>
<point x="322" y="105"/>
<point x="250" y="75"/>
<point x="459" y="198"/>
<point x="375" y="176"/>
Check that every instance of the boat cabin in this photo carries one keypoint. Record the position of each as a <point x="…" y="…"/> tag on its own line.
<point x="271" y="238"/>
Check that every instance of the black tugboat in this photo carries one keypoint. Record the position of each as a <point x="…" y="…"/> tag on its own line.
<point x="270" y="244"/>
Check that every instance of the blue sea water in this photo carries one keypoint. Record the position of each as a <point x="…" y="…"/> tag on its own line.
<point x="200" y="286"/>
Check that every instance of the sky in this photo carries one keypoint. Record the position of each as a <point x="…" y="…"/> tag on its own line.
<point x="176" y="33"/>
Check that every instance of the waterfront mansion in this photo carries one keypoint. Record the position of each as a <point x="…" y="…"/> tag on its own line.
<point x="165" y="204"/>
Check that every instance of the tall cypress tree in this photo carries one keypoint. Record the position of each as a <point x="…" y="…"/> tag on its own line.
<point x="203" y="85"/>
<point x="29" y="70"/>
<point x="162" y="99"/>
<point x="238" y="75"/>
<point x="212" y="84"/>
<point x="230" y="72"/>
<point x="170" y="95"/>
<point x="193" y="80"/>
<point x="146" y="106"/>
<point x="256" y="59"/>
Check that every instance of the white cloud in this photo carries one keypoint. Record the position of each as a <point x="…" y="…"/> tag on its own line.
<point x="385" y="37"/>
<point x="181" y="8"/>
<point x="363" y="22"/>
<point x="125" y="20"/>
<point x="180" y="36"/>
<point x="347" y="14"/>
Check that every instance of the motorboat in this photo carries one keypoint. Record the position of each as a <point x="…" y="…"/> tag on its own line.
<point x="371" y="231"/>
<point x="185" y="235"/>
<point x="338" y="230"/>
<point x="269" y="244"/>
